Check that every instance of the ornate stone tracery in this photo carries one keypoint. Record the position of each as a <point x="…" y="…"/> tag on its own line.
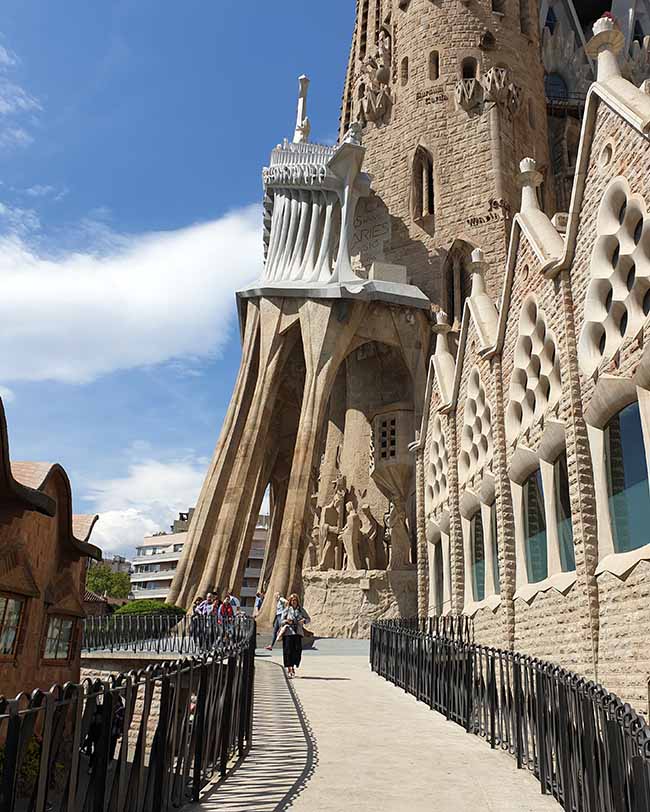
<point x="476" y="438"/>
<point x="436" y="471"/>
<point x="535" y="385"/>
<point x="617" y="302"/>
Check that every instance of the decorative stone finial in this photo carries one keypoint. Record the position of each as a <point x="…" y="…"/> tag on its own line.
<point x="303" y="127"/>
<point x="607" y="41"/>
<point x="529" y="180"/>
<point x="442" y="322"/>
<point x="477" y="267"/>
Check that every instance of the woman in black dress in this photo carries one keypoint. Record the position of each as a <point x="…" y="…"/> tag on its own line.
<point x="292" y="628"/>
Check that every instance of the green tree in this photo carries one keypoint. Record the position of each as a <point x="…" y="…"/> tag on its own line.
<point x="101" y="579"/>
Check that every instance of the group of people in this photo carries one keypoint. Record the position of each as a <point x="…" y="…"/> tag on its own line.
<point x="289" y="626"/>
<point x="212" y="606"/>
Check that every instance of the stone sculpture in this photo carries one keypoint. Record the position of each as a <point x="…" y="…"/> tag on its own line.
<point x="372" y="548"/>
<point x="330" y="526"/>
<point x="350" y="537"/>
<point x="400" y="542"/>
<point x="376" y="100"/>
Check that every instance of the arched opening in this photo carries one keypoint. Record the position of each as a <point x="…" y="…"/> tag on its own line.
<point x="469" y="68"/>
<point x="499" y="6"/>
<point x="458" y="280"/>
<point x="478" y="557"/>
<point x="434" y="66"/>
<point x="363" y="34"/>
<point x="439" y="575"/>
<point x="404" y="71"/>
<point x="563" y="514"/>
<point x="627" y="480"/>
<point x="422" y="185"/>
<point x="551" y="20"/>
<point x="535" y="528"/>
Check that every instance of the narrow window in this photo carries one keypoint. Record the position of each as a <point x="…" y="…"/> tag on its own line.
<point x="535" y="528"/>
<point x="387" y="438"/>
<point x="531" y="114"/>
<point x="498" y="6"/>
<point x="495" y="548"/>
<point x="59" y="638"/>
<point x="478" y="557"/>
<point x="638" y="32"/>
<point x="404" y="73"/>
<point x="422" y="186"/>
<point x="11" y="612"/>
<point x="434" y="66"/>
<point x="627" y="480"/>
<point x="469" y="68"/>
<point x="363" y="36"/>
<point x="524" y="16"/>
<point x="555" y="87"/>
<point x="563" y="514"/>
<point x="438" y="568"/>
<point x="551" y="20"/>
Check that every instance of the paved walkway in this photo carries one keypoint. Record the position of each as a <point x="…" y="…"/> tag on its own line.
<point x="363" y="744"/>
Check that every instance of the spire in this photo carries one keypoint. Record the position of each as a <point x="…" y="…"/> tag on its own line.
<point x="476" y="267"/>
<point x="303" y="127"/>
<point x="481" y="306"/>
<point x="529" y="179"/>
<point x="605" y="45"/>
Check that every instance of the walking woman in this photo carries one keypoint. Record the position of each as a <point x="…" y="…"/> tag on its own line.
<point x="280" y="605"/>
<point x="294" y="618"/>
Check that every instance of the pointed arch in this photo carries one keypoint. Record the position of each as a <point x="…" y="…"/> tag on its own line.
<point x="422" y="185"/>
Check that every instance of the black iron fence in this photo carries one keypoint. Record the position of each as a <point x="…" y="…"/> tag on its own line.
<point x="587" y="748"/>
<point x="143" y="741"/>
<point x="157" y="634"/>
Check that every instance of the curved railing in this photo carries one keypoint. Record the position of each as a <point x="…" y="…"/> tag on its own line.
<point x="588" y="748"/>
<point x="149" y="739"/>
<point x="159" y="634"/>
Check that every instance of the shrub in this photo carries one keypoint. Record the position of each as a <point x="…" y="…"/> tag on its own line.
<point x="149" y="606"/>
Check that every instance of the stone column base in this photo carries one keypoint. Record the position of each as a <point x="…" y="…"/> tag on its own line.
<point x="344" y="604"/>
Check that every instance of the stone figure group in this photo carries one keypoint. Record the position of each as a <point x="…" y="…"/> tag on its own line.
<point x="345" y="537"/>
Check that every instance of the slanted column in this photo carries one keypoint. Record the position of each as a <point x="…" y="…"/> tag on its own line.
<point x="276" y="342"/>
<point x="196" y="548"/>
<point x="327" y="330"/>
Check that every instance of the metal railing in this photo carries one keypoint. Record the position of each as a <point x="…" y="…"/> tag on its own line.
<point x="587" y="748"/>
<point x="156" y="634"/>
<point x="145" y="740"/>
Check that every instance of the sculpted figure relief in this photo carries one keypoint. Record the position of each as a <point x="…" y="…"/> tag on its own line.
<point x="375" y="98"/>
<point x="372" y="547"/>
<point x="400" y="543"/>
<point x="351" y="538"/>
<point x="329" y="529"/>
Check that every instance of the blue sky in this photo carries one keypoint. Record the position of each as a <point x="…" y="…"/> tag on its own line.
<point x="132" y="136"/>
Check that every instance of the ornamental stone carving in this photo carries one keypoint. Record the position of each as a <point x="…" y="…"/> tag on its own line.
<point x="476" y="437"/>
<point x="436" y="470"/>
<point x="535" y="385"/>
<point x="468" y="94"/>
<point x="618" y="296"/>
<point x="375" y="100"/>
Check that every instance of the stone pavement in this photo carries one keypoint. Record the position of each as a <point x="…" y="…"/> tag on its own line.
<point x="352" y="741"/>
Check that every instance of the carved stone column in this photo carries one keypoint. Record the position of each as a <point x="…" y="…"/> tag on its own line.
<point x="327" y="330"/>
<point x="423" y="564"/>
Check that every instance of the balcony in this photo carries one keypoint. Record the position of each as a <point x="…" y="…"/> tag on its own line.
<point x="158" y="558"/>
<point x="165" y="575"/>
<point x="141" y="594"/>
<point x="253" y="572"/>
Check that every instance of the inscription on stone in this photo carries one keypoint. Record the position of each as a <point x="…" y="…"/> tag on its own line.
<point x="431" y="96"/>
<point x="371" y="229"/>
<point x="497" y="210"/>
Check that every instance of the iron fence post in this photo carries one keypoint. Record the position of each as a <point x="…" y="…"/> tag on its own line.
<point x="226" y="721"/>
<point x="516" y="680"/>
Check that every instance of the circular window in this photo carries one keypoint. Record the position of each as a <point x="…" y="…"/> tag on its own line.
<point x="606" y="155"/>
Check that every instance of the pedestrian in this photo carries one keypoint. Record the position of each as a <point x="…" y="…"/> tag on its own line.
<point x="226" y="610"/>
<point x="234" y="602"/>
<point x="196" y="620"/>
<point x="294" y="618"/>
<point x="280" y="604"/>
<point x="259" y="598"/>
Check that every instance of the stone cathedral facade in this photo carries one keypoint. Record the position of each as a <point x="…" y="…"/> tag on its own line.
<point x="444" y="380"/>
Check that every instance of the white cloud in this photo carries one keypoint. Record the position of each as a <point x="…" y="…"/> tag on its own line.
<point x="39" y="190"/>
<point x="143" y="502"/>
<point x="16" y="103"/>
<point x="7" y="59"/>
<point x="7" y="394"/>
<point x="143" y="300"/>
<point x="14" y="137"/>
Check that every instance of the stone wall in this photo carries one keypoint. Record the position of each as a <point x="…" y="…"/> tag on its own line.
<point x="344" y="604"/>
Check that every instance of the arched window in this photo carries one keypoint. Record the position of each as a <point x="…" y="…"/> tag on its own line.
<point x="499" y="6"/>
<point x="469" y="68"/>
<point x="535" y="528"/>
<point x="627" y="480"/>
<point x="478" y="557"/>
<point x="439" y="575"/>
<point x="434" y="66"/>
<point x="422" y="186"/>
<point x="555" y="87"/>
<point x="551" y="20"/>
<point x="458" y="281"/>
<point x="563" y="514"/>
<point x="404" y="71"/>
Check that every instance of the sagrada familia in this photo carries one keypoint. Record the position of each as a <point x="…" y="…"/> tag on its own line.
<point x="444" y="381"/>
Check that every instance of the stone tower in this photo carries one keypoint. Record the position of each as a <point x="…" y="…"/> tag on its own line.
<point x="451" y="98"/>
<point x="440" y="104"/>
